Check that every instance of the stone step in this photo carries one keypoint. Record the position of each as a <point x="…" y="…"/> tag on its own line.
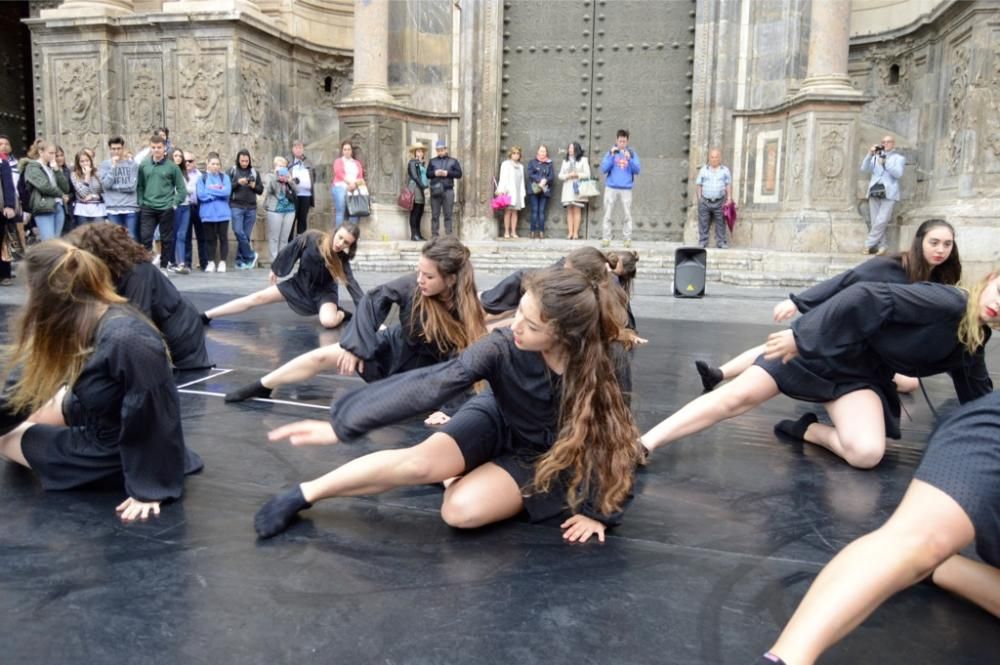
<point x="738" y="266"/>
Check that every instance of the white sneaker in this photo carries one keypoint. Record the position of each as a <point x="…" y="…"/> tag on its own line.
<point x="156" y="259"/>
<point x="221" y="267"/>
<point x="210" y="266"/>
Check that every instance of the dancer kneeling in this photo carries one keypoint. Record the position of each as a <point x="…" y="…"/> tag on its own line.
<point x="439" y="315"/>
<point x="324" y="259"/>
<point x="850" y="348"/>
<point x="95" y="400"/>
<point x="148" y="290"/>
<point x="554" y="433"/>
<point x="951" y="502"/>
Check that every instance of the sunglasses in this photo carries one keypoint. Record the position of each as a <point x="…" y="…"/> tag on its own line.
<point x="189" y="161"/>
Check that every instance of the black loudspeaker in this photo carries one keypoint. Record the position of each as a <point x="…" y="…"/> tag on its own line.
<point x="689" y="272"/>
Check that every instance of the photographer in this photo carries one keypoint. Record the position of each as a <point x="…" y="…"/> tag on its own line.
<point x="886" y="166"/>
<point x="620" y="166"/>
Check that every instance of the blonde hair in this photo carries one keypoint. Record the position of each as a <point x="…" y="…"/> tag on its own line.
<point x="970" y="330"/>
<point x="513" y="149"/>
<point x="279" y="161"/>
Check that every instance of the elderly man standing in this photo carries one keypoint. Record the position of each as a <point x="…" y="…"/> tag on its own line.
<point x="886" y="166"/>
<point x="715" y="189"/>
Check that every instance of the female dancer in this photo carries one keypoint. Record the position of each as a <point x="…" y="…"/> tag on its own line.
<point x="148" y="290"/>
<point x="850" y="346"/>
<point x="932" y="257"/>
<point x="439" y="316"/>
<point x="324" y="259"/>
<point x="951" y="502"/>
<point x="554" y="433"/>
<point x="115" y="415"/>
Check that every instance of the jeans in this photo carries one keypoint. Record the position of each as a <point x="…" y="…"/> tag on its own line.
<point x="182" y="224"/>
<point x="149" y="219"/>
<point x="243" y="221"/>
<point x="445" y="202"/>
<point x="279" y="224"/>
<point x="50" y="224"/>
<point x="538" y="206"/>
<point x="196" y="229"/>
<point x="130" y="220"/>
<point x="339" y="195"/>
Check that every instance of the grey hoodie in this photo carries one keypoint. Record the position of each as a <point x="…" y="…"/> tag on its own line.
<point x="119" y="184"/>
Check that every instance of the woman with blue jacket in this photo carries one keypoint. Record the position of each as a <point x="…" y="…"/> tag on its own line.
<point x="540" y="176"/>
<point x="214" y="189"/>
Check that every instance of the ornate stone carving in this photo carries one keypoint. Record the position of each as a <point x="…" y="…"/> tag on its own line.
<point x="145" y="97"/>
<point x="77" y="91"/>
<point x="796" y="161"/>
<point x="255" y="92"/>
<point x="888" y="96"/>
<point x="339" y="73"/>
<point x="204" y="116"/>
<point x="956" y="107"/>
<point x="832" y="159"/>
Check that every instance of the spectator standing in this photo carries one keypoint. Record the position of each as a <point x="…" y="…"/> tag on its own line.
<point x="574" y="168"/>
<point x="164" y="134"/>
<point x="303" y="177"/>
<point x="10" y="206"/>
<point x="247" y="184"/>
<point x="64" y="211"/>
<point x="119" y="175"/>
<point x="160" y="188"/>
<point x="541" y="173"/>
<point x="48" y="187"/>
<point x="620" y="166"/>
<point x="214" y="189"/>
<point x="417" y="182"/>
<point x="280" y="200"/>
<point x="191" y="177"/>
<point x="444" y="171"/>
<point x="87" y="188"/>
<point x="714" y="185"/>
<point x="886" y="166"/>
<point x="511" y="183"/>
<point x="348" y="176"/>
<point x="182" y="221"/>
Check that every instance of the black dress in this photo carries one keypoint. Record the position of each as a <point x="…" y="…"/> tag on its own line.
<point x="154" y="295"/>
<point x="312" y="286"/>
<point x="123" y="419"/>
<point x="511" y="425"/>
<point x="401" y="347"/>
<point x="879" y="269"/>
<point x="963" y="461"/>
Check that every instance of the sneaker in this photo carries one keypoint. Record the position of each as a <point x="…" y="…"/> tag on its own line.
<point x="605" y="243"/>
<point x="182" y="269"/>
<point x="221" y="267"/>
<point x="210" y="267"/>
<point x="867" y="251"/>
<point x="165" y="272"/>
<point x="724" y="245"/>
<point x="628" y="243"/>
<point x="240" y="265"/>
<point x="253" y="262"/>
<point x="171" y="267"/>
<point x="881" y="251"/>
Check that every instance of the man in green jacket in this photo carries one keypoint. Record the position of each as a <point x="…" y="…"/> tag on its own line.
<point x="159" y="189"/>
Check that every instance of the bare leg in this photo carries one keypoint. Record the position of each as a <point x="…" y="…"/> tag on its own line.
<point x="330" y="316"/>
<point x="269" y="295"/>
<point x="51" y="413"/>
<point x="506" y="223"/>
<point x="736" y="366"/>
<point x="485" y="495"/>
<point x="905" y="384"/>
<point x="10" y="444"/>
<point x="858" y="432"/>
<point x="926" y="529"/>
<point x="751" y="388"/>
<point x="303" y="367"/>
<point x="973" y="580"/>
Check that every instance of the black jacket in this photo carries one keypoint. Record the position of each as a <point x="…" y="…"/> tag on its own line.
<point x="447" y="163"/>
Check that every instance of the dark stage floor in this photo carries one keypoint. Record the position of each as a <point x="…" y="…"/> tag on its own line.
<point x="727" y="531"/>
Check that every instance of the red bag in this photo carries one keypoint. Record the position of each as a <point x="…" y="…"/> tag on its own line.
<point x="729" y="214"/>
<point x="405" y="198"/>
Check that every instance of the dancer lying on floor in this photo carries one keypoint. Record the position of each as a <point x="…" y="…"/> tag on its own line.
<point x="324" y="260"/>
<point x="554" y="432"/>
<point x="439" y="315"/>
<point x="118" y="421"/>
<point x="932" y="257"/>
<point x="148" y="290"/>
<point x="844" y="353"/>
<point x="952" y="501"/>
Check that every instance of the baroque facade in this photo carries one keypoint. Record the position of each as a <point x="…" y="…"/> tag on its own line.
<point x="792" y="91"/>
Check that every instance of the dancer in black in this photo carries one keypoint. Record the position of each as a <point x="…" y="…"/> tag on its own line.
<point x="148" y="290"/>
<point x="932" y="257"/>
<point x="439" y="315"/>
<point x="554" y="433"/>
<point x="324" y="260"/>
<point x="844" y="353"/>
<point x="119" y="421"/>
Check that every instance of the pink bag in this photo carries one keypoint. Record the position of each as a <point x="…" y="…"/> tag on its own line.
<point x="729" y="214"/>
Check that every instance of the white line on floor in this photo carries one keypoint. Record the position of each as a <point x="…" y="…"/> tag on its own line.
<point x="205" y="378"/>
<point x="256" y="399"/>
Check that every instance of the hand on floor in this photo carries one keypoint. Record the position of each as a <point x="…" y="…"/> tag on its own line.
<point x="579" y="529"/>
<point x="132" y="509"/>
<point x="305" y="433"/>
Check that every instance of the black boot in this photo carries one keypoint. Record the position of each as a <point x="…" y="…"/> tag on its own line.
<point x="277" y="514"/>
<point x="710" y="376"/>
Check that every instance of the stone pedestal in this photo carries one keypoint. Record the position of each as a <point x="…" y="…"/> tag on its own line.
<point x="73" y="9"/>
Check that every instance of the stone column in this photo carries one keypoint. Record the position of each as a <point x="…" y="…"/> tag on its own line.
<point x="371" y="52"/>
<point x="829" y="42"/>
<point x="85" y="8"/>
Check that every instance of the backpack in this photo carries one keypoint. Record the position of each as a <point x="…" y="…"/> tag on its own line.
<point x="24" y="191"/>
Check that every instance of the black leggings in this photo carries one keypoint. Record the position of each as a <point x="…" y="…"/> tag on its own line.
<point x="213" y="231"/>
<point x="415" y="214"/>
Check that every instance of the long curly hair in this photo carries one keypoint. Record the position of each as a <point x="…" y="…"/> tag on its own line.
<point x="112" y="245"/>
<point x="453" y="319"/>
<point x="596" y="450"/>
<point x="68" y="289"/>
<point x="916" y="266"/>
<point x="596" y="266"/>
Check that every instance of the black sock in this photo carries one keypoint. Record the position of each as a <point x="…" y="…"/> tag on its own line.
<point x="255" y="389"/>
<point x="796" y="428"/>
<point x="769" y="659"/>
<point x="277" y="514"/>
<point x="710" y="376"/>
<point x="205" y="319"/>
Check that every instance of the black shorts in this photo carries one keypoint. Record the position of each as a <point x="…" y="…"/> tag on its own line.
<point x="963" y="461"/>
<point x="64" y="458"/>
<point x="483" y="436"/>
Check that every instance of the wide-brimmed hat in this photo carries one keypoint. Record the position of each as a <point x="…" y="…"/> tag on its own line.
<point x="416" y="146"/>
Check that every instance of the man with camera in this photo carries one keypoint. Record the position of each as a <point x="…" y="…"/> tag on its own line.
<point x="620" y="166"/>
<point x="886" y="166"/>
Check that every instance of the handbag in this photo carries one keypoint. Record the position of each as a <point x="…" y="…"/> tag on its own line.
<point x="437" y="188"/>
<point x="406" y="198"/>
<point x="589" y="188"/>
<point x="358" y="204"/>
<point x="729" y="214"/>
<point x="877" y="191"/>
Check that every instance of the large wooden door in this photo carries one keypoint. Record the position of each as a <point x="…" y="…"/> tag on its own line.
<point x="579" y="70"/>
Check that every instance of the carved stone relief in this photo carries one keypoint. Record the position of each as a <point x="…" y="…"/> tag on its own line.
<point x="832" y="160"/>
<point x="390" y="153"/>
<point x="144" y="102"/>
<point x="891" y="97"/>
<point x="203" y="117"/>
<point x="77" y="89"/>
<point x="956" y="109"/>
<point x="991" y="144"/>
<point x="255" y="93"/>
<point x="796" y="160"/>
<point x="340" y="75"/>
